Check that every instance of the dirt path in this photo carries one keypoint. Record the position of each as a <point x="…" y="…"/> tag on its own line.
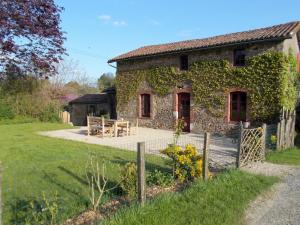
<point x="280" y="205"/>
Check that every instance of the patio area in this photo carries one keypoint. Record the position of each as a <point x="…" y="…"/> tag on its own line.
<point x="222" y="149"/>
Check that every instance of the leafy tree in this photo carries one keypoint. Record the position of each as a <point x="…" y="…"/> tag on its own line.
<point x="75" y="88"/>
<point x="30" y="36"/>
<point x="106" y="80"/>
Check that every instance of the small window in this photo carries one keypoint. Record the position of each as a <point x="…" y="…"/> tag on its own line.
<point x="238" y="106"/>
<point x="239" y="57"/>
<point x="184" y="62"/>
<point x="145" y="105"/>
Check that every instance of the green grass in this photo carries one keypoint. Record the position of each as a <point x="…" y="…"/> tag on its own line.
<point x="288" y="157"/>
<point x="220" y="201"/>
<point x="34" y="164"/>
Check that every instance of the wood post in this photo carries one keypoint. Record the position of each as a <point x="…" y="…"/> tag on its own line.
<point x="278" y="143"/>
<point x="103" y="125"/>
<point x="88" y="125"/>
<point x="1" y="201"/>
<point x="293" y="129"/>
<point x="286" y="130"/>
<point x="205" y="156"/>
<point x="141" y="186"/>
<point x="263" y="141"/>
<point x="282" y="128"/>
<point x="238" y="157"/>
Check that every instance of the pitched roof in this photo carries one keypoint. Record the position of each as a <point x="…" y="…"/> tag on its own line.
<point x="90" y="99"/>
<point x="277" y="32"/>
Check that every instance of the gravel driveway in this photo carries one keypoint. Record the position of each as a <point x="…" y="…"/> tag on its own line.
<point x="280" y="205"/>
<point x="222" y="150"/>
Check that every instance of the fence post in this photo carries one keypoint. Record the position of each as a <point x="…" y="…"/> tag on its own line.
<point x="293" y="129"/>
<point x="141" y="173"/>
<point x="1" y="201"/>
<point x="264" y="134"/>
<point x="282" y="128"/>
<point x="205" y="155"/>
<point x="278" y="136"/>
<point x="238" y="157"/>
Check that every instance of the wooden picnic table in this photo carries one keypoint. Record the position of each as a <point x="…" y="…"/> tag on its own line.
<point x="119" y="125"/>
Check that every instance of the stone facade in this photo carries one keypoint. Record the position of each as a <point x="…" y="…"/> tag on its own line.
<point x="102" y="104"/>
<point x="80" y="111"/>
<point x="164" y="110"/>
<point x="221" y="53"/>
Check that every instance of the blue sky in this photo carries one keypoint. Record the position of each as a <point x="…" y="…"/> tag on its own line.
<point x="101" y="29"/>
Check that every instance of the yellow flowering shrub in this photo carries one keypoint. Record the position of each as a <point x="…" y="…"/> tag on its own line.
<point x="187" y="162"/>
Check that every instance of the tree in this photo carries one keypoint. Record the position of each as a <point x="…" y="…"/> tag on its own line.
<point x="30" y="36"/>
<point x="106" y="80"/>
<point x="75" y="88"/>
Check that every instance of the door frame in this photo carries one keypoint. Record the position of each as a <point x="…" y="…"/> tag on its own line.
<point x="187" y="121"/>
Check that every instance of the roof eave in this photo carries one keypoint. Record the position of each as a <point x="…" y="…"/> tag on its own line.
<point x="203" y="48"/>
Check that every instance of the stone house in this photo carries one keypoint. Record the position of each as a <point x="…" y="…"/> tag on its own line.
<point x="236" y="99"/>
<point x="102" y="104"/>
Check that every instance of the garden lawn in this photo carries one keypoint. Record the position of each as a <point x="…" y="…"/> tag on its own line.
<point x="220" y="201"/>
<point x="289" y="157"/>
<point x="34" y="164"/>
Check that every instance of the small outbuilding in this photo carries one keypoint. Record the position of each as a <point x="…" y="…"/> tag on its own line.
<point x="102" y="104"/>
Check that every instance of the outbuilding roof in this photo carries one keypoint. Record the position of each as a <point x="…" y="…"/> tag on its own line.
<point x="277" y="32"/>
<point x="90" y="99"/>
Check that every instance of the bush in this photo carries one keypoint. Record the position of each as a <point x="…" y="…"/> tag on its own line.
<point x="5" y="111"/>
<point x="187" y="163"/>
<point x="159" y="178"/>
<point x="31" y="98"/>
<point x="129" y="179"/>
<point x="50" y="114"/>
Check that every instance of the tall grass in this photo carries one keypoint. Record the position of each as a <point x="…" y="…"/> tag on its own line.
<point x="219" y="201"/>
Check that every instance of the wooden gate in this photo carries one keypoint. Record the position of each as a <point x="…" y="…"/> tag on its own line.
<point x="251" y="145"/>
<point x="64" y="116"/>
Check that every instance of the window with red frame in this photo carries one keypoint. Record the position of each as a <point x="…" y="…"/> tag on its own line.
<point x="145" y="105"/>
<point x="238" y="106"/>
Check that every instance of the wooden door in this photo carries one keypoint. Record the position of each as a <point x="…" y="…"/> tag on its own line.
<point x="184" y="107"/>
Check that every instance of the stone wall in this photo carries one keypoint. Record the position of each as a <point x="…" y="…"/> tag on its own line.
<point x="221" y="53"/>
<point x="163" y="113"/>
<point x="291" y="44"/>
<point x="161" y="106"/>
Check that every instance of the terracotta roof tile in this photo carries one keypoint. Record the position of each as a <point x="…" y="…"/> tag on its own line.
<point x="281" y="31"/>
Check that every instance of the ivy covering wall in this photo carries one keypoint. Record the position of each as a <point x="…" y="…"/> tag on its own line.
<point x="269" y="78"/>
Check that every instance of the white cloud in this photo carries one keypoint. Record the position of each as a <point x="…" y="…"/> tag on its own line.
<point x="107" y="19"/>
<point x="104" y="17"/>
<point x="154" y="23"/>
<point x="120" y="23"/>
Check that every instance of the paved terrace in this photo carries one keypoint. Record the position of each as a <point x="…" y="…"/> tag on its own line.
<point x="222" y="149"/>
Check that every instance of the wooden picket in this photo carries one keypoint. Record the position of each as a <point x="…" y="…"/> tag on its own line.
<point x="251" y="145"/>
<point x="286" y="130"/>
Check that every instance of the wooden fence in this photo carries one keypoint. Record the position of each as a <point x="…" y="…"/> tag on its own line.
<point x="141" y="168"/>
<point x="251" y="145"/>
<point x="65" y="117"/>
<point x="286" y="130"/>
